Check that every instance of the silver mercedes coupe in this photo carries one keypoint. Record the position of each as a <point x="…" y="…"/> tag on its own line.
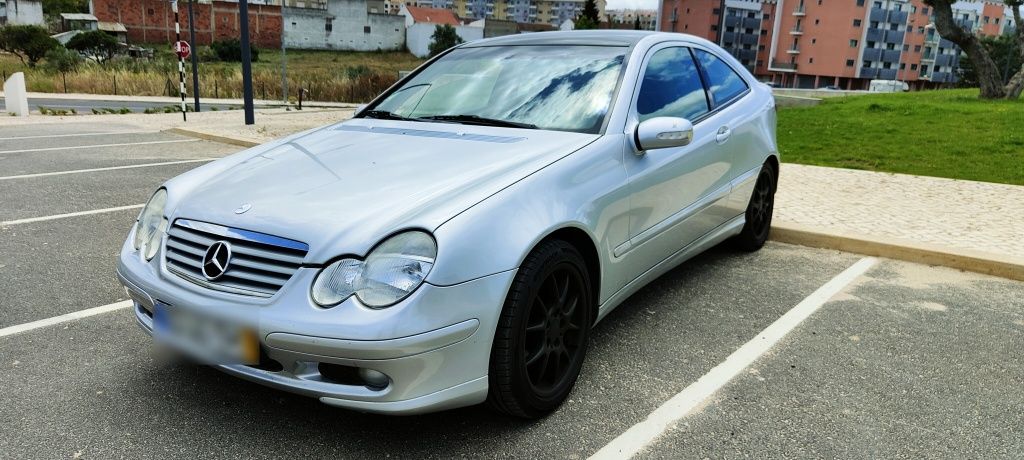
<point x="455" y="242"/>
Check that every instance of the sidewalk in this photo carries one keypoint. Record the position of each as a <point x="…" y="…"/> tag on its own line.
<point x="177" y="100"/>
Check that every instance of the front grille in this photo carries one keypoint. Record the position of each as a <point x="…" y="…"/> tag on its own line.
<point x="260" y="264"/>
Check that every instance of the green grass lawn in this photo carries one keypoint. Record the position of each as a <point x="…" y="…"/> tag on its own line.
<point x="949" y="133"/>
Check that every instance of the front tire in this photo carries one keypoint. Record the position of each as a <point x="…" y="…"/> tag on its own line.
<point x="542" y="335"/>
<point x="759" y="211"/>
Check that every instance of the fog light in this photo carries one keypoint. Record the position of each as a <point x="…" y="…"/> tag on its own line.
<point x="374" y="379"/>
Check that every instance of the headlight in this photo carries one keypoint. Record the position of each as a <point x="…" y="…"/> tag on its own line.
<point x="151" y="225"/>
<point x="392" y="271"/>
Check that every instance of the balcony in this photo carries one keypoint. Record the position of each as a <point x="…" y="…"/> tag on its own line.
<point x="799" y="11"/>
<point x="797" y="31"/>
<point x="793" y="50"/>
<point x="778" y="66"/>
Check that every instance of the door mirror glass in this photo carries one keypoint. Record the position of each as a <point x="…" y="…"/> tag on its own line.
<point x="663" y="132"/>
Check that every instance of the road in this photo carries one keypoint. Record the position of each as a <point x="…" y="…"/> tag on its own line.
<point x="85" y="106"/>
<point x="897" y="361"/>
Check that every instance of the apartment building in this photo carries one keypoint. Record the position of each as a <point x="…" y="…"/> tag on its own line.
<point x="551" y="12"/>
<point x="840" y="43"/>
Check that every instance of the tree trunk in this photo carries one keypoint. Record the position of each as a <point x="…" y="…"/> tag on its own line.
<point x="1016" y="83"/>
<point x="989" y="79"/>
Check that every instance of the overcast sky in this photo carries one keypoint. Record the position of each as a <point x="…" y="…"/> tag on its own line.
<point x="632" y="4"/>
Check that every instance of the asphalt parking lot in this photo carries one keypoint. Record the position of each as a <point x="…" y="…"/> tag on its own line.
<point x="905" y="361"/>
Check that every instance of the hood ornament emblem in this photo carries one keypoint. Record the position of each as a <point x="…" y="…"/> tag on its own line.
<point x="243" y="208"/>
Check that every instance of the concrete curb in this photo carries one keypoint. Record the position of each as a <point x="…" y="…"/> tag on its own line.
<point x="894" y="248"/>
<point x="241" y="142"/>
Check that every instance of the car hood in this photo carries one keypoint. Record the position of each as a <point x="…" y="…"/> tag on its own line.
<point x="342" y="188"/>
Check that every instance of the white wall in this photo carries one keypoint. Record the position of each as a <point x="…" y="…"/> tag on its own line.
<point x="305" y="28"/>
<point x="25" y="12"/>
<point x="417" y="36"/>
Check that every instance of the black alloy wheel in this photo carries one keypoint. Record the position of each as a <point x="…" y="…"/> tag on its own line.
<point x="541" y="339"/>
<point x="759" y="211"/>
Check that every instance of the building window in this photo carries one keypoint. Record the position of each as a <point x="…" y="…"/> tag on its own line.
<point x="906" y="47"/>
<point x="853" y="43"/>
<point x="903" y="66"/>
<point x="810" y="61"/>
<point x="366" y="29"/>
<point x="924" y="10"/>
<point x="860" y="2"/>
<point x="856" y="22"/>
<point x="849" y="63"/>
<point x="329" y="25"/>
<point x="917" y="48"/>
<point x="913" y="66"/>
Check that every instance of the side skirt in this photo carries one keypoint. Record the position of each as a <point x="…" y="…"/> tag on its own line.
<point x="712" y="238"/>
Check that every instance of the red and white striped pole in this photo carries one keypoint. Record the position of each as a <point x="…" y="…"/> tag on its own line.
<point x="181" y="60"/>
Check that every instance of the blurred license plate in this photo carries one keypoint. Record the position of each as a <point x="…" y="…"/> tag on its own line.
<point x="206" y="338"/>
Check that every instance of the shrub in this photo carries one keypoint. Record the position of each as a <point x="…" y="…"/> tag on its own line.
<point x="444" y="37"/>
<point x="29" y="43"/>
<point x="95" y="44"/>
<point x="231" y="51"/>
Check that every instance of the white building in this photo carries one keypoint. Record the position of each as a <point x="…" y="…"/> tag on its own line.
<point x="342" y="25"/>
<point x="21" y="12"/>
<point x="420" y="24"/>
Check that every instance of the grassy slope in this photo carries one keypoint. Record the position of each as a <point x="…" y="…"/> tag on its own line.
<point x="935" y="133"/>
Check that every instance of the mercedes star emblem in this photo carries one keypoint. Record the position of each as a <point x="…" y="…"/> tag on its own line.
<point x="216" y="260"/>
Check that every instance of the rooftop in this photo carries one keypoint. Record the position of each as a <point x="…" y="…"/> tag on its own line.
<point x="602" y="37"/>
<point x="432" y="15"/>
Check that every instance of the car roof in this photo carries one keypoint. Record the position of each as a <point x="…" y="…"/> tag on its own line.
<point x="576" y="37"/>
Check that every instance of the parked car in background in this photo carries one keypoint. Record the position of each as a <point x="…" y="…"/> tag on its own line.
<point x="888" y="86"/>
<point x="457" y="240"/>
<point x="831" y="88"/>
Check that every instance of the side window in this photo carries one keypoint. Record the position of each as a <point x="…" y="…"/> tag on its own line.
<point x="724" y="84"/>
<point x="671" y="87"/>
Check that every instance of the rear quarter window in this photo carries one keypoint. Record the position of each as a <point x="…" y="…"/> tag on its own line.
<point x="724" y="84"/>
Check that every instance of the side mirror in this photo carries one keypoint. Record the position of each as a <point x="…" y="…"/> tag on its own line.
<point x="663" y="132"/>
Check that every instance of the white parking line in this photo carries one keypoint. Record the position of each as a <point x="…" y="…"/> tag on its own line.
<point x="109" y="168"/>
<point x="70" y="214"/>
<point x="77" y="147"/>
<point x="11" y="330"/>
<point x="641" y="435"/>
<point x="76" y="135"/>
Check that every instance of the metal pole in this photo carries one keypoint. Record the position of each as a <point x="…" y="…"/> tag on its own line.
<point x="250" y="117"/>
<point x="181" y="61"/>
<point x="195" y="58"/>
<point x="284" y="71"/>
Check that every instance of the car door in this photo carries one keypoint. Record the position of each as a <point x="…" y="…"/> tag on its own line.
<point x="677" y="194"/>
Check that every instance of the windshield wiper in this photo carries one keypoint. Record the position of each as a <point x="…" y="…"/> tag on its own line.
<point x="478" y="120"/>
<point x="385" y="115"/>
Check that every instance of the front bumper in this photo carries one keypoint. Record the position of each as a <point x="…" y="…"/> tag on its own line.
<point x="434" y="347"/>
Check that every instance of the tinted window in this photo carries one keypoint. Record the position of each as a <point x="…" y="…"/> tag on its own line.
<point x="671" y="87"/>
<point x="724" y="84"/>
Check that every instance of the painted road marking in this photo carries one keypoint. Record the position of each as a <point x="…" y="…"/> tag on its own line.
<point x="77" y="135"/>
<point x="11" y="330"/>
<point x="70" y="214"/>
<point x="110" y="168"/>
<point x="641" y="435"/>
<point x="77" y="147"/>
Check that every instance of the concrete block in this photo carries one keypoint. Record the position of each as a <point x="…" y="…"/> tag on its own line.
<point x="15" y="96"/>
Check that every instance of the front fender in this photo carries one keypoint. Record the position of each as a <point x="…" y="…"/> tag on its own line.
<point x="586" y="190"/>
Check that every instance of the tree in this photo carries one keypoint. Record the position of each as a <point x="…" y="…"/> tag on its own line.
<point x="589" y="18"/>
<point x="444" y="37"/>
<point x="54" y="8"/>
<point x="63" y="60"/>
<point x="1005" y="52"/>
<point x="990" y="80"/>
<point x="95" y="44"/>
<point x="29" y="43"/>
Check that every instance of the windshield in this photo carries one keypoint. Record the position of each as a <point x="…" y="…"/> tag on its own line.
<point x="565" y="88"/>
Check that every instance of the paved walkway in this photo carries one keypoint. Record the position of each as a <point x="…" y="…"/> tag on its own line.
<point x="958" y="215"/>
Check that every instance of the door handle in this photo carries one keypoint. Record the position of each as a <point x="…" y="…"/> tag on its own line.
<point x="723" y="134"/>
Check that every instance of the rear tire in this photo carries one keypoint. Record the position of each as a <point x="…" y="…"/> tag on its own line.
<point x="542" y="334"/>
<point x="759" y="212"/>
